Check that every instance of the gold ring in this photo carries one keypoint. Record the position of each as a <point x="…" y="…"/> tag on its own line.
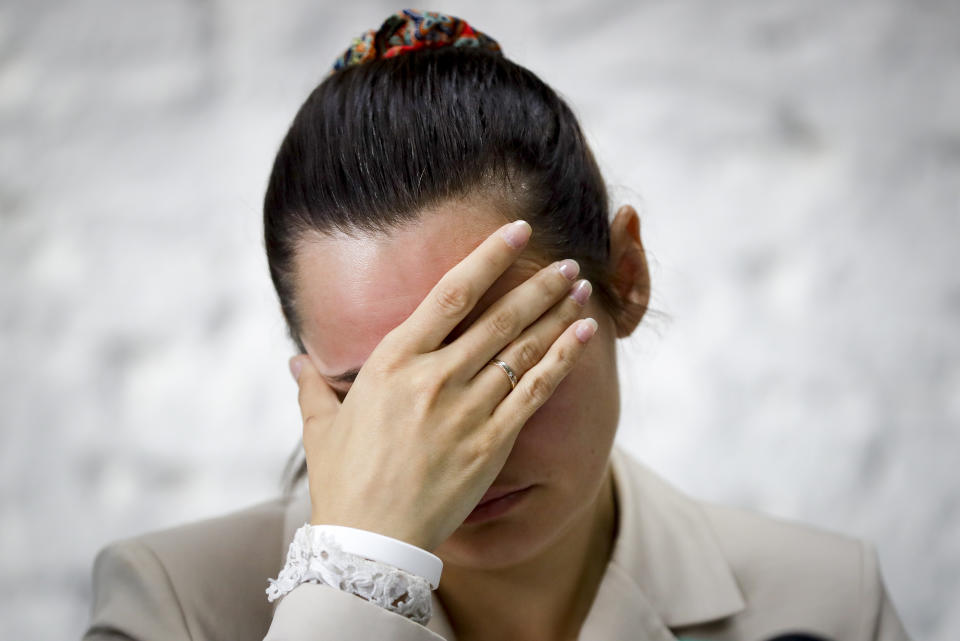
<point x="506" y="369"/>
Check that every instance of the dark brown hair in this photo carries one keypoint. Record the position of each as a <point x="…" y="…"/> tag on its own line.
<point x="377" y="144"/>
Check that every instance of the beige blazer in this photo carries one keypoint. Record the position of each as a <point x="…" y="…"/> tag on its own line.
<point x="680" y="568"/>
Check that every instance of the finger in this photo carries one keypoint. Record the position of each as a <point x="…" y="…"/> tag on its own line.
<point x="317" y="400"/>
<point x="455" y="294"/>
<point x="538" y="384"/>
<point x="522" y="355"/>
<point x="508" y="317"/>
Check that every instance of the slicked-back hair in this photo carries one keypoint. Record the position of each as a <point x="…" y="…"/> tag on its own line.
<point x="376" y="145"/>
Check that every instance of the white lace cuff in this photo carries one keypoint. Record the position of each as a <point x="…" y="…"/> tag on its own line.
<point x="315" y="556"/>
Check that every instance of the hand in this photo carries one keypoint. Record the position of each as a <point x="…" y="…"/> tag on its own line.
<point x="426" y="427"/>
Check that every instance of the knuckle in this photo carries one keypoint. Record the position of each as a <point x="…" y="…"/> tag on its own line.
<point x="311" y="426"/>
<point x="527" y="355"/>
<point x="389" y="345"/>
<point x="554" y="282"/>
<point x="486" y="444"/>
<point x="426" y="383"/>
<point x="452" y="299"/>
<point x="566" y="356"/>
<point x="538" y="390"/>
<point x="387" y="358"/>
<point x="383" y="366"/>
<point x="501" y="324"/>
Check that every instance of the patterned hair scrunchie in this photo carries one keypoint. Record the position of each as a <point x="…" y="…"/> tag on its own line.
<point x="409" y="30"/>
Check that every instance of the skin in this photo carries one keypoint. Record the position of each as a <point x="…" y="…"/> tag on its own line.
<point x="551" y="550"/>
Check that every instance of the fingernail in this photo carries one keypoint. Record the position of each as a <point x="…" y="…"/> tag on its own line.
<point x="517" y="233"/>
<point x="581" y="291"/>
<point x="295" y="367"/>
<point x="585" y="329"/>
<point x="569" y="268"/>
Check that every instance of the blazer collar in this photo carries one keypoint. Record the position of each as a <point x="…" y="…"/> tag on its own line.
<point x="666" y="570"/>
<point x="667" y="549"/>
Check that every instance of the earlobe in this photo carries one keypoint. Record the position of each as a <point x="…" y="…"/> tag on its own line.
<point x="631" y="273"/>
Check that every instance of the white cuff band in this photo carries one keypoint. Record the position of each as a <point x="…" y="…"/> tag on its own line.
<point x="385" y="549"/>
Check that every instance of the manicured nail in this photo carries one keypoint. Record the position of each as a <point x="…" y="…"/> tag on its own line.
<point x="581" y="291"/>
<point x="569" y="268"/>
<point x="585" y="329"/>
<point x="517" y="233"/>
<point x="295" y="367"/>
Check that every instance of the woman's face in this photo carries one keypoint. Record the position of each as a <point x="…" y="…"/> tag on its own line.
<point x="354" y="290"/>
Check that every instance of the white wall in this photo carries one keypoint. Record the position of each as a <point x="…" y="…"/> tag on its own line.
<point x="798" y="169"/>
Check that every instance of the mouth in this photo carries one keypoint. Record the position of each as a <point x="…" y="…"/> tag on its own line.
<point x="495" y="493"/>
<point x="497" y="502"/>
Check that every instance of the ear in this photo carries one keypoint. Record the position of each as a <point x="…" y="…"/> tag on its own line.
<point x="631" y="275"/>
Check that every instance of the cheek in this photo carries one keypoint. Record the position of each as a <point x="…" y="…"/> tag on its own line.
<point x="580" y="418"/>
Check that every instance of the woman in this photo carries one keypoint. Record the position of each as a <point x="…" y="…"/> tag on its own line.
<point x="437" y="232"/>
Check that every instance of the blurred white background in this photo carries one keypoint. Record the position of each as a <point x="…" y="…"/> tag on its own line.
<point x="797" y="167"/>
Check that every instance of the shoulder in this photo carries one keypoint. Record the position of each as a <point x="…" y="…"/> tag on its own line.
<point x="253" y="534"/>
<point x="799" y="577"/>
<point x="199" y="580"/>
<point x="759" y="545"/>
<point x="790" y="576"/>
<point x="778" y="561"/>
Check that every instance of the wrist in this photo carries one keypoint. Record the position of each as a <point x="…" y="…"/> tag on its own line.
<point x="392" y="531"/>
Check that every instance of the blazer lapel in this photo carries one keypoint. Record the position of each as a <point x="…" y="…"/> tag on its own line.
<point x="666" y="548"/>
<point x="621" y="612"/>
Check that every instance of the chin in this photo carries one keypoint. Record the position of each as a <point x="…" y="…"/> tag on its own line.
<point x="491" y="546"/>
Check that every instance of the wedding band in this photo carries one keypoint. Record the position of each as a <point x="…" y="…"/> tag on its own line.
<point x="506" y="369"/>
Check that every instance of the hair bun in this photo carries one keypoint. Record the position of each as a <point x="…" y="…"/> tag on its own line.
<point x="409" y="30"/>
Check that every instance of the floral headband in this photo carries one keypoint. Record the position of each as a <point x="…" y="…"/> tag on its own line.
<point x="409" y="30"/>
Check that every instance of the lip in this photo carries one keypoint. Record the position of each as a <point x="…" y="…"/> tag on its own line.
<point x="496" y="492"/>
<point x="494" y="507"/>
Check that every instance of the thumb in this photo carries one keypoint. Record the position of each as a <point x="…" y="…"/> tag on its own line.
<point x="317" y="400"/>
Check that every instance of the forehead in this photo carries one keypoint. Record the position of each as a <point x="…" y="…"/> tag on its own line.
<point x="353" y="290"/>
